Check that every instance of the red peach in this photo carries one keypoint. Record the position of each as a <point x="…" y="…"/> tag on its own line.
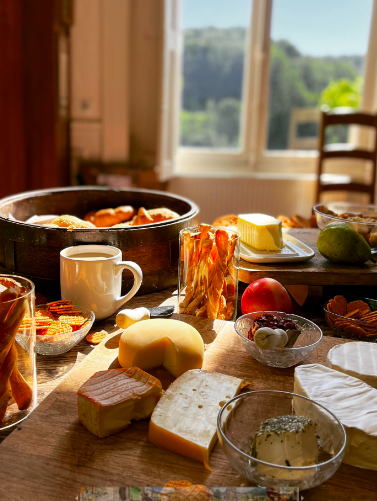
<point x="266" y="294"/>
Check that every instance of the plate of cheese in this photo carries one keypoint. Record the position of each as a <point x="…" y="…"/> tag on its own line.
<point x="263" y="240"/>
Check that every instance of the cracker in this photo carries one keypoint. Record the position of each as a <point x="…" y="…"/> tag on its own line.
<point x="356" y="305"/>
<point x="96" y="337"/>
<point x="57" y="328"/>
<point x="355" y="330"/>
<point x="342" y="304"/>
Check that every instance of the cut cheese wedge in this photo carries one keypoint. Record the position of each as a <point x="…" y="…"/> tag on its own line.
<point x="174" y="344"/>
<point x="260" y="231"/>
<point x="356" y="359"/>
<point x="185" y="419"/>
<point x="110" y="400"/>
<point x="351" y="400"/>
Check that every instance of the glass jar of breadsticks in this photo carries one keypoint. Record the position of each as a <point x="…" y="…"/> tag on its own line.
<point x="208" y="272"/>
<point x="18" y="383"/>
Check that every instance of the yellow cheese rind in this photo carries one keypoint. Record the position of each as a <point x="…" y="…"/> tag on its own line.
<point x="174" y="344"/>
<point x="185" y="419"/>
<point x="260" y="231"/>
<point x="110" y="400"/>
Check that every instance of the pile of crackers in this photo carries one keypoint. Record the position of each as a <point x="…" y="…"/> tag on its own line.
<point x="58" y="318"/>
<point x="358" y="321"/>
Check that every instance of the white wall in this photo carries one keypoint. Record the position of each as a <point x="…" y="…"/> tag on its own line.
<point x="267" y="195"/>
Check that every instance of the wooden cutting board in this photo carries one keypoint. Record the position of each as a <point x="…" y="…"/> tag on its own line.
<point x="51" y="454"/>
<point x="316" y="271"/>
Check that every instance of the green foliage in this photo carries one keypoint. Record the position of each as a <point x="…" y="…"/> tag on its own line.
<point x="135" y="492"/>
<point x="342" y="93"/>
<point x="212" y="86"/>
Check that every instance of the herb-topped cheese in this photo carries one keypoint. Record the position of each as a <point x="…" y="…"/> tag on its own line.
<point x="287" y="441"/>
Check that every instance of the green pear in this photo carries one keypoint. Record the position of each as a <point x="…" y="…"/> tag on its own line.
<point x="340" y="243"/>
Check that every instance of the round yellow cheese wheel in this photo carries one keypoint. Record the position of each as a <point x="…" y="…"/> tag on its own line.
<point x="174" y="344"/>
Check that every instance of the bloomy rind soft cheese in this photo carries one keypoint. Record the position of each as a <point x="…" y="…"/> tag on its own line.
<point x="351" y="400"/>
<point x="356" y="359"/>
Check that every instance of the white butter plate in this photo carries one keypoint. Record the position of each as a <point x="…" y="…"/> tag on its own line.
<point x="293" y="251"/>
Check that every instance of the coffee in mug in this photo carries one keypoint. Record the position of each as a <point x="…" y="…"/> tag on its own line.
<point x="91" y="276"/>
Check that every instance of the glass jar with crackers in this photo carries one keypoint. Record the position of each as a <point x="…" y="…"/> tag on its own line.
<point x="18" y="384"/>
<point x="208" y="272"/>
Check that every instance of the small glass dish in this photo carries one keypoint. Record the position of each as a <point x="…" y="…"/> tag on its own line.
<point x="331" y="212"/>
<point x="61" y="343"/>
<point x="306" y="342"/>
<point x="352" y="328"/>
<point x="240" y="418"/>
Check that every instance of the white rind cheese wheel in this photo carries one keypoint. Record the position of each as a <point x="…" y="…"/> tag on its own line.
<point x="352" y="401"/>
<point x="355" y="359"/>
<point x="174" y="344"/>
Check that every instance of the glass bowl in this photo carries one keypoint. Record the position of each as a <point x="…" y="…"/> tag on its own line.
<point x="352" y="328"/>
<point x="307" y="341"/>
<point x="61" y="343"/>
<point x="240" y="418"/>
<point x="329" y="213"/>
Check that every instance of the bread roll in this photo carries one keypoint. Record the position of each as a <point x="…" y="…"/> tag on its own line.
<point x="71" y="222"/>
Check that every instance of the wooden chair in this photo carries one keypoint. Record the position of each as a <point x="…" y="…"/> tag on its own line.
<point x="346" y="116"/>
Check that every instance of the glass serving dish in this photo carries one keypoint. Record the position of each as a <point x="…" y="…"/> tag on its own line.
<point x="18" y="382"/>
<point x="208" y="272"/>
<point x="353" y="328"/>
<point x="240" y="418"/>
<point x="364" y="217"/>
<point x="61" y="343"/>
<point x="306" y="342"/>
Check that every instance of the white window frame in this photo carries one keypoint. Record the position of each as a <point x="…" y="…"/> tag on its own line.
<point x="254" y="159"/>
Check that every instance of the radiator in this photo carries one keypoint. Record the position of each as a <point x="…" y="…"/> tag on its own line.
<point x="267" y="195"/>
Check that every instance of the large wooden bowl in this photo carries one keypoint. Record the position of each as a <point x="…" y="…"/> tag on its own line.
<point x="33" y="251"/>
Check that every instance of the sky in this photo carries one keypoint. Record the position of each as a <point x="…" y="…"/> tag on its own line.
<point x="315" y="27"/>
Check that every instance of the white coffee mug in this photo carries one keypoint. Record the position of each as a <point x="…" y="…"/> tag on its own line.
<point x="91" y="276"/>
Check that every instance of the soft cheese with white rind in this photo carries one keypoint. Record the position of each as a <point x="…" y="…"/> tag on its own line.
<point x="351" y="400"/>
<point x="174" y="344"/>
<point x="260" y="231"/>
<point x="185" y="419"/>
<point x="111" y="399"/>
<point x="358" y="359"/>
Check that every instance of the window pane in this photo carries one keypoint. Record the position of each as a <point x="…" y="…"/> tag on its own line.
<point x="317" y="57"/>
<point x="215" y="34"/>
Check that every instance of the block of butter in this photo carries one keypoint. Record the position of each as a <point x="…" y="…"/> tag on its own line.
<point x="185" y="419"/>
<point x="109" y="400"/>
<point x="260" y="231"/>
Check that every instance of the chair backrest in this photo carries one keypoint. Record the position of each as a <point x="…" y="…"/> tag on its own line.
<point x="346" y="116"/>
<point x="301" y="116"/>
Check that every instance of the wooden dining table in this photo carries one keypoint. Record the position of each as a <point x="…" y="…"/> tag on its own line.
<point x="51" y="455"/>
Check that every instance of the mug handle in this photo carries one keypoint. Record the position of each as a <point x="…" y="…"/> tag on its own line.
<point x="138" y="278"/>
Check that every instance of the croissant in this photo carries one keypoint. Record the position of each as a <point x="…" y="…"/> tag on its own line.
<point x="71" y="222"/>
<point x="109" y="217"/>
<point x="153" y="216"/>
